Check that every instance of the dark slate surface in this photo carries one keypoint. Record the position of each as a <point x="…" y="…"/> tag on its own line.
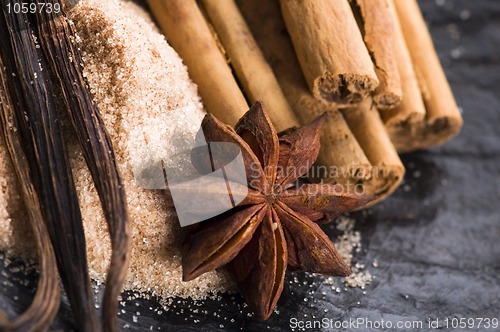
<point x="436" y="241"/>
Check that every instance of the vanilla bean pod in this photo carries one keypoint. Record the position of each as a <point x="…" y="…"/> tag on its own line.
<point x="65" y="59"/>
<point x="38" y="126"/>
<point x="45" y="304"/>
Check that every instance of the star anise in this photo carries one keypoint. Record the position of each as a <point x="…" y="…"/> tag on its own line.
<point x="275" y="225"/>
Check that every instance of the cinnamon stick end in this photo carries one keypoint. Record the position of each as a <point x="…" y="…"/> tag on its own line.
<point x="386" y="101"/>
<point x="384" y="180"/>
<point x="344" y="89"/>
<point x="424" y="134"/>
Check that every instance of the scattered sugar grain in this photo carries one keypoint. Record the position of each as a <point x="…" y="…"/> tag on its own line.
<point x="347" y="243"/>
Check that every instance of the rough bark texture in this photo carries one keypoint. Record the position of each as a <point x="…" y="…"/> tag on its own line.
<point x="378" y="26"/>
<point x="443" y="119"/>
<point x="401" y="122"/>
<point x="330" y="49"/>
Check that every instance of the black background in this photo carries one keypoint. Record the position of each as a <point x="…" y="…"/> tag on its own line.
<point x="436" y="241"/>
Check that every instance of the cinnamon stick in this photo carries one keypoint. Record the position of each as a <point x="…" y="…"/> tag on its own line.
<point x="330" y="49"/>
<point x="345" y="161"/>
<point x="443" y="119"/>
<point x="254" y="73"/>
<point x="406" y="122"/>
<point x="189" y="34"/>
<point x="349" y="160"/>
<point x="378" y="29"/>
<point x="368" y="128"/>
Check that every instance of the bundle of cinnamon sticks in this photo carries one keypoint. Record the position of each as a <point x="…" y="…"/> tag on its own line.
<point x="370" y="64"/>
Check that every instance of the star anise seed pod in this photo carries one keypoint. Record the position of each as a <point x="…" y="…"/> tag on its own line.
<point x="275" y="225"/>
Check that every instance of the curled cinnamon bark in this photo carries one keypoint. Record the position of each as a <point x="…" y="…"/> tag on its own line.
<point x="330" y="49"/>
<point x="387" y="170"/>
<point x="378" y="28"/>
<point x="424" y="85"/>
